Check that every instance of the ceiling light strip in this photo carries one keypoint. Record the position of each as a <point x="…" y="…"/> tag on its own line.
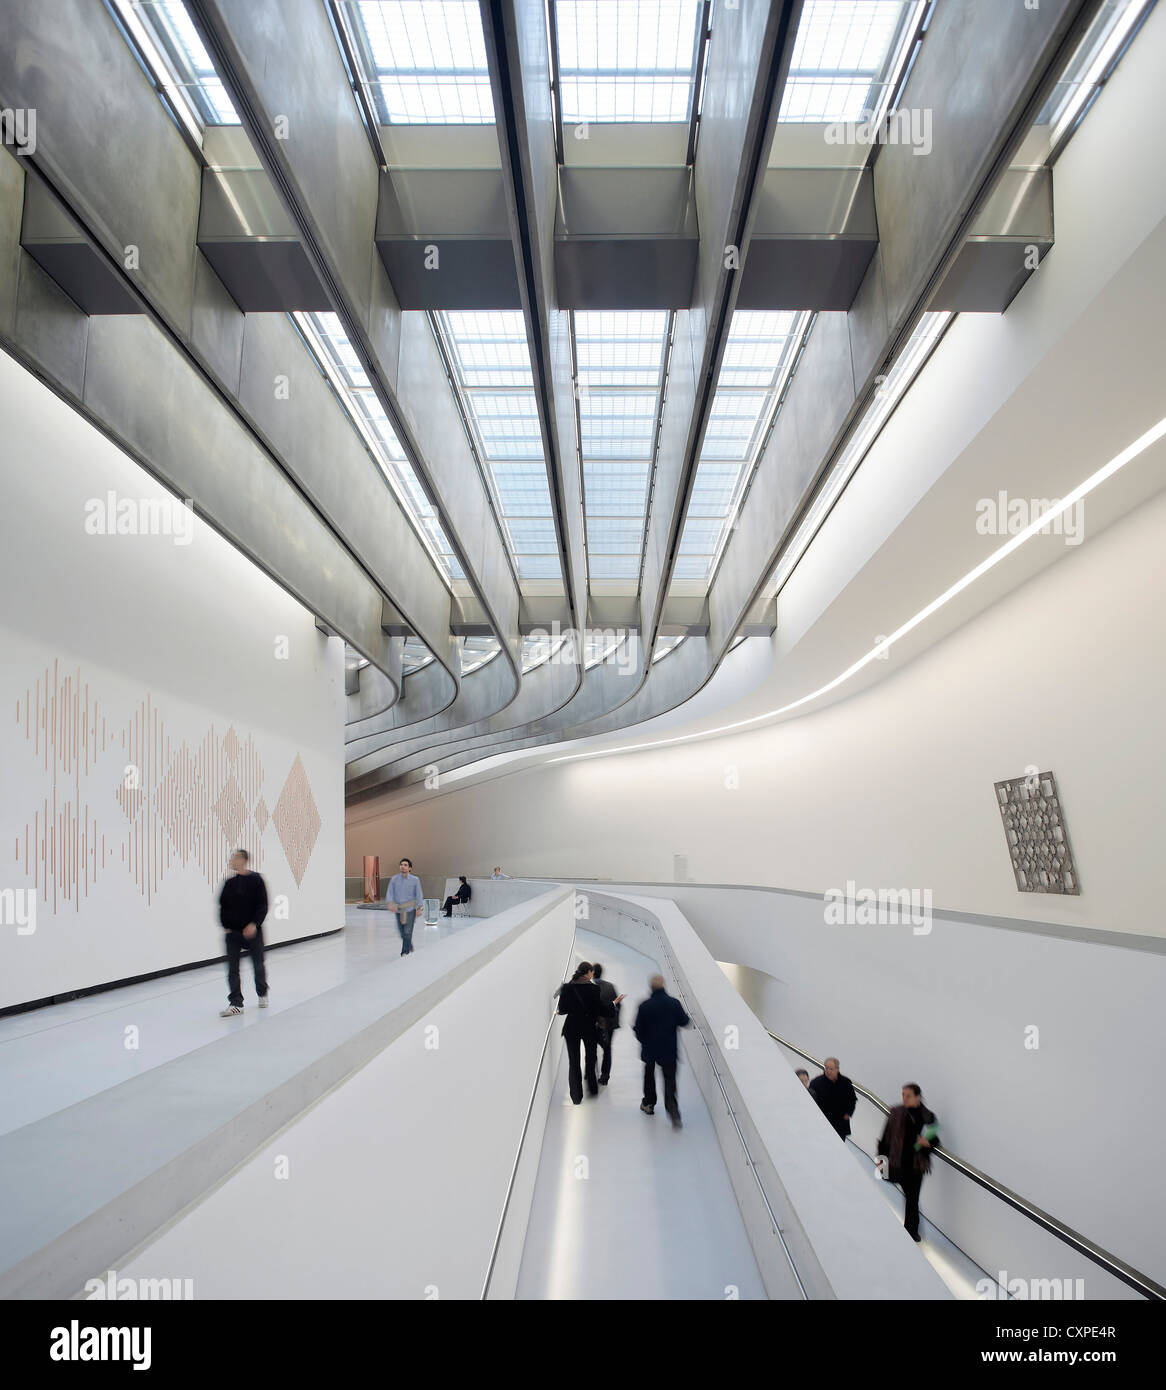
<point x="1049" y="515"/>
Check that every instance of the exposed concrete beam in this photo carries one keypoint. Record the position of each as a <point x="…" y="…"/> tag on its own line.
<point x="281" y="64"/>
<point x="970" y="63"/>
<point x="136" y="198"/>
<point x="748" y="55"/>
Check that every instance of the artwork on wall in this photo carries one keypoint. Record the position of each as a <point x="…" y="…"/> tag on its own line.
<point x="1038" y="840"/>
<point x="123" y="789"/>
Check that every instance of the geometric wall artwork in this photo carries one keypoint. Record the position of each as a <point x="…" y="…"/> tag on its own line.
<point x="297" y="820"/>
<point x="122" y="790"/>
<point x="1038" y="840"/>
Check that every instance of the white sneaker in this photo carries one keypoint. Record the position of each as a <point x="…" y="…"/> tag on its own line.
<point x="263" y="1002"/>
<point x="230" y="1010"/>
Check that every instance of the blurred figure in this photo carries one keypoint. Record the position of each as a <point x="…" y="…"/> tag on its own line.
<point x="498" y="873"/>
<point x="606" y="1026"/>
<point x="461" y="896"/>
<point x="804" y="1077"/>
<point x="909" y="1135"/>
<point x="579" y="1000"/>
<point x="835" y="1096"/>
<point x="404" y="894"/>
<point x="242" y="908"/>
<point x="657" y="1020"/>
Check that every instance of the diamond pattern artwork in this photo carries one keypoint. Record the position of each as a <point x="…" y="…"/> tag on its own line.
<point x="180" y="804"/>
<point x="1038" y="840"/>
<point x="297" y="820"/>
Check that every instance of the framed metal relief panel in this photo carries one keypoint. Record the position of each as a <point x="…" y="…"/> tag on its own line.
<point x="1038" y="841"/>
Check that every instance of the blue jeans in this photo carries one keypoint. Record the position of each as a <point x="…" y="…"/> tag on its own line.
<point x="405" y="922"/>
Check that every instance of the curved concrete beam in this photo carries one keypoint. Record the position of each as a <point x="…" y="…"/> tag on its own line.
<point x="283" y="68"/>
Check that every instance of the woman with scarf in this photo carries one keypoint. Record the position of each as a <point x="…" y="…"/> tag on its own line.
<point x="910" y="1133"/>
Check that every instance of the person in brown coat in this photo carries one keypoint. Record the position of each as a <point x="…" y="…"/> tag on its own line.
<point x="909" y="1135"/>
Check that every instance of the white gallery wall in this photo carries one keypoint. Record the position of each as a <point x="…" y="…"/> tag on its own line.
<point x="163" y="702"/>
<point x="890" y="789"/>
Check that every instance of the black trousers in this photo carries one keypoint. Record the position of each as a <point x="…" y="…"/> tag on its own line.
<point x="236" y="945"/>
<point x="911" y="1181"/>
<point x="448" y="906"/>
<point x="669" y="1070"/>
<point x="603" y="1037"/>
<point x="574" y="1075"/>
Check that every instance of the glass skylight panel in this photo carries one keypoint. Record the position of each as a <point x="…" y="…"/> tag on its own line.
<point x="1088" y="67"/>
<point x="536" y="650"/>
<point x="180" y="63"/>
<point x="756" y="363"/>
<point x="626" y="60"/>
<point x="620" y="358"/>
<point x="476" y="651"/>
<point x="844" y="59"/>
<point x="665" y="645"/>
<point x="414" y="655"/>
<point x="339" y="362"/>
<point x="423" y="62"/>
<point x="484" y="346"/>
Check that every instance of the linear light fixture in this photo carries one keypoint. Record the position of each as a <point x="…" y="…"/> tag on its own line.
<point x="1050" y="514"/>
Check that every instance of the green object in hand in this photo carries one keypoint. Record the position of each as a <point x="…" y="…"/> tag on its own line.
<point x="928" y="1132"/>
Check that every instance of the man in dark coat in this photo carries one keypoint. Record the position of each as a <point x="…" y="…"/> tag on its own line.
<point x="461" y="896"/>
<point x="909" y="1135"/>
<point x="242" y="908"/>
<point x="605" y="1026"/>
<point x="835" y="1096"/>
<point x="657" y="1020"/>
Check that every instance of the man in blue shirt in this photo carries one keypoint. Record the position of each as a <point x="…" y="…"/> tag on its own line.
<point x="404" y="897"/>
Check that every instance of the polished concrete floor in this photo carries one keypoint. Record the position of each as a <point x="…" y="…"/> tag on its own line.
<point x="50" y="1058"/>
<point x="625" y="1207"/>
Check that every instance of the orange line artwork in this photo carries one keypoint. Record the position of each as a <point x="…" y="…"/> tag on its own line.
<point x="180" y="805"/>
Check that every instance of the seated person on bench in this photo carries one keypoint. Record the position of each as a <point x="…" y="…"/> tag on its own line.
<point x="461" y="896"/>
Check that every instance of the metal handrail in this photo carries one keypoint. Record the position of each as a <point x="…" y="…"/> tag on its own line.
<point x="674" y="969"/>
<point x="1118" y="1268"/>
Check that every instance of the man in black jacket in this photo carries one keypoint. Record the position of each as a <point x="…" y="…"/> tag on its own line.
<point x="835" y="1096"/>
<point x="242" y="908"/>
<point x="461" y="896"/>
<point x="657" y="1020"/>
<point x="606" y="1025"/>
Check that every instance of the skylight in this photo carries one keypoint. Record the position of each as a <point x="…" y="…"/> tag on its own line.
<point x="414" y="655"/>
<point x="339" y="362"/>
<point x="626" y="60"/>
<point x="665" y="646"/>
<point x="1089" y="67"/>
<point x="422" y="62"/>
<point x="181" y="66"/>
<point x="758" y="356"/>
<point x="621" y="360"/>
<point x="906" y="368"/>
<point x="491" y="364"/>
<point x="846" y="55"/>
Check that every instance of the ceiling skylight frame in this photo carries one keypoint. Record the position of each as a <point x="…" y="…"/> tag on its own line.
<point x="448" y="33"/>
<point x="621" y="365"/>
<point x="329" y="346"/>
<point x="743" y="332"/>
<point x="879" y="71"/>
<point x="167" y="43"/>
<point x="513" y="460"/>
<point x="581" y="33"/>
